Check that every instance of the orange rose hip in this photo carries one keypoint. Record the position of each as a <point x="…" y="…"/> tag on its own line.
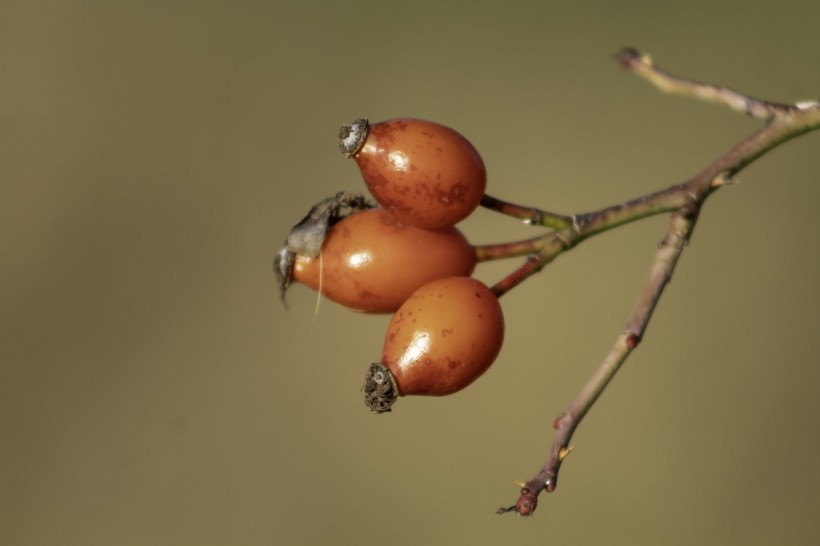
<point x="445" y="336"/>
<point x="371" y="262"/>
<point x="424" y="173"/>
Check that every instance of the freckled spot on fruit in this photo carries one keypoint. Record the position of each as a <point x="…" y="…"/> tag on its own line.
<point x="367" y="295"/>
<point x="397" y="206"/>
<point x="455" y="195"/>
<point x="384" y="132"/>
<point x="453" y="364"/>
<point x="375" y="178"/>
<point x="478" y="294"/>
<point x="446" y="332"/>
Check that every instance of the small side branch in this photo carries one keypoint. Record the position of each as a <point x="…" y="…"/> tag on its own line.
<point x="530" y="215"/>
<point x="533" y="264"/>
<point x="643" y="67"/>
<point x="666" y="258"/>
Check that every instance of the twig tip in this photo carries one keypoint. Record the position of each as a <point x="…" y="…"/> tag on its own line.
<point x="807" y="105"/>
<point x="629" y="57"/>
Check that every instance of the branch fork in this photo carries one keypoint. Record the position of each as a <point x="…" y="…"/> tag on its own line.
<point x="681" y="201"/>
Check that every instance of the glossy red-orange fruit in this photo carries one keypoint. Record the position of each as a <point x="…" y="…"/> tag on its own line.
<point x="424" y="173"/>
<point x="445" y="336"/>
<point x="372" y="262"/>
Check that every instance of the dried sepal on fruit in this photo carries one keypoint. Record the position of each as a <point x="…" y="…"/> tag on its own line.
<point x="307" y="236"/>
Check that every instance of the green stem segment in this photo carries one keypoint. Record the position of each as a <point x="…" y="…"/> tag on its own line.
<point x="530" y="215"/>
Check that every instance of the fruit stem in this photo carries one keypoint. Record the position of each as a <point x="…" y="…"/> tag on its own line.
<point x="512" y="249"/>
<point x="530" y="215"/>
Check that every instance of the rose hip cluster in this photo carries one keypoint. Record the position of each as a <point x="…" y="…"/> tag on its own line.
<point x="405" y="256"/>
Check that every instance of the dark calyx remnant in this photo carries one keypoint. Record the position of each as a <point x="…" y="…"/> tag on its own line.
<point x="352" y="136"/>
<point x="380" y="388"/>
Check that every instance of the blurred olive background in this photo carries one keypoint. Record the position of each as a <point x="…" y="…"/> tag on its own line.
<point x="154" y="390"/>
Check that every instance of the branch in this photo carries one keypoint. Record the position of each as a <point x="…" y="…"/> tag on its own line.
<point x="684" y="201"/>
<point x="642" y="65"/>
<point x="529" y="215"/>
<point x="785" y="122"/>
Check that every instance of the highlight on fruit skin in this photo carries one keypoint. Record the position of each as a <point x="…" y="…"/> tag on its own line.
<point x="444" y="337"/>
<point x="426" y="174"/>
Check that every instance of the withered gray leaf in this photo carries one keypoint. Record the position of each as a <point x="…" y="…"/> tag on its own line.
<point x="308" y="235"/>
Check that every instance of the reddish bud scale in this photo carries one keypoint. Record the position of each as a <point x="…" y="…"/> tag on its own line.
<point x="527" y="503"/>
